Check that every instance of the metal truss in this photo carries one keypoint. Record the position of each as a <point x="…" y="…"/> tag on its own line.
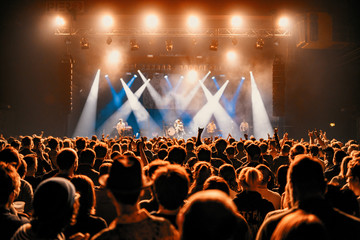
<point x="178" y="32"/>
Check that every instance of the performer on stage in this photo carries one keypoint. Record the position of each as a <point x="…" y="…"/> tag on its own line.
<point x="179" y="128"/>
<point x="244" y="127"/>
<point x="211" y="127"/>
<point x="120" y="127"/>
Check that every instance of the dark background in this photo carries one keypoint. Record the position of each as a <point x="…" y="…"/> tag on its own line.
<point x="322" y="86"/>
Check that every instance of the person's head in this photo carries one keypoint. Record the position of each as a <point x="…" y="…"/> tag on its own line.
<point x="100" y="150"/>
<point x="171" y="185"/>
<point x="125" y="180"/>
<point x="32" y="164"/>
<point x="67" y="160"/>
<point x="268" y="176"/>
<point x="263" y="148"/>
<point x="190" y="146"/>
<point x="104" y="168"/>
<point x="177" y="154"/>
<point x="227" y="172"/>
<point x="344" y="166"/>
<point x="80" y="143"/>
<point x="314" y="150"/>
<point x="15" y="144"/>
<point x="9" y="184"/>
<point x="202" y="171"/>
<point x="26" y="142"/>
<point x="240" y="146"/>
<point x="220" y="145"/>
<point x="114" y="154"/>
<point x="285" y="150"/>
<point x="54" y="202"/>
<point x="216" y="182"/>
<point x="203" y="153"/>
<point x="250" y="178"/>
<point x="339" y="156"/>
<point x="85" y="186"/>
<point x="68" y="143"/>
<point x="306" y="178"/>
<point x="10" y="155"/>
<point x="191" y="162"/>
<point x="353" y="175"/>
<point x="53" y="143"/>
<point x="300" y="225"/>
<point x="115" y="147"/>
<point x="281" y="175"/>
<point x="343" y="199"/>
<point x="230" y="150"/>
<point x="297" y="150"/>
<point x="329" y="154"/>
<point x="211" y="214"/>
<point x="87" y="157"/>
<point x="153" y="166"/>
<point x="272" y="144"/>
<point x="162" y="154"/>
<point x="253" y="152"/>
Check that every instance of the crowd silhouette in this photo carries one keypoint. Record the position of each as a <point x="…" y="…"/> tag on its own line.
<point x="172" y="188"/>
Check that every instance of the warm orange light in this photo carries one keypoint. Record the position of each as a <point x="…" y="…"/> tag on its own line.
<point x="151" y="21"/>
<point x="236" y="21"/>
<point x="231" y="56"/>
<point x="332" y="124"/>
<point x="59" y="21"/>
<point x="193" y="22"/>
<point x="107" y="21"/>
<point x="114" y="57"/>
<point x="284" y="22"/>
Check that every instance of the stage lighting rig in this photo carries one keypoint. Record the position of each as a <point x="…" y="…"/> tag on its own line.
<point x="169" y="45"/>
<point x="84" y="44"/>
<point x="134" y="45"/>
<point x="214" y="45"/>
<point x="259" y="43"/>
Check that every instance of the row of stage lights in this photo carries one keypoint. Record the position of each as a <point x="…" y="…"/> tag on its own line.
<point x="84" y="43"/>
<point x="152" y="21"/>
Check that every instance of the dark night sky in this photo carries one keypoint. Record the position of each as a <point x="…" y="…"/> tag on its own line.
<point x="323" y="85"/>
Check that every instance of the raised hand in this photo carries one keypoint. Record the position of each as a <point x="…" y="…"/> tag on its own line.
<point x="200" y="130"/>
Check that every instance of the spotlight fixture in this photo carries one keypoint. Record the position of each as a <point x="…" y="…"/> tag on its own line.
<point x="151" y="21"/>
<point x="134" y="45"/>
<point x="109" y="40"/>
<point x="59" y="21"/>
<point x="84" y="43"/>
<point x="193" y="22"/>
<point x="107" y="21"/>
<point x="236" y="21"/>
<point x="284" y="22"/>
<point x="259" y="43"/>
<point x="169" y="45"/>
<point x="214" y="45"/>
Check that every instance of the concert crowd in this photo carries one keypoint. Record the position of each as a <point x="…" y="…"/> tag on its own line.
<point x="173" y="188"/>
